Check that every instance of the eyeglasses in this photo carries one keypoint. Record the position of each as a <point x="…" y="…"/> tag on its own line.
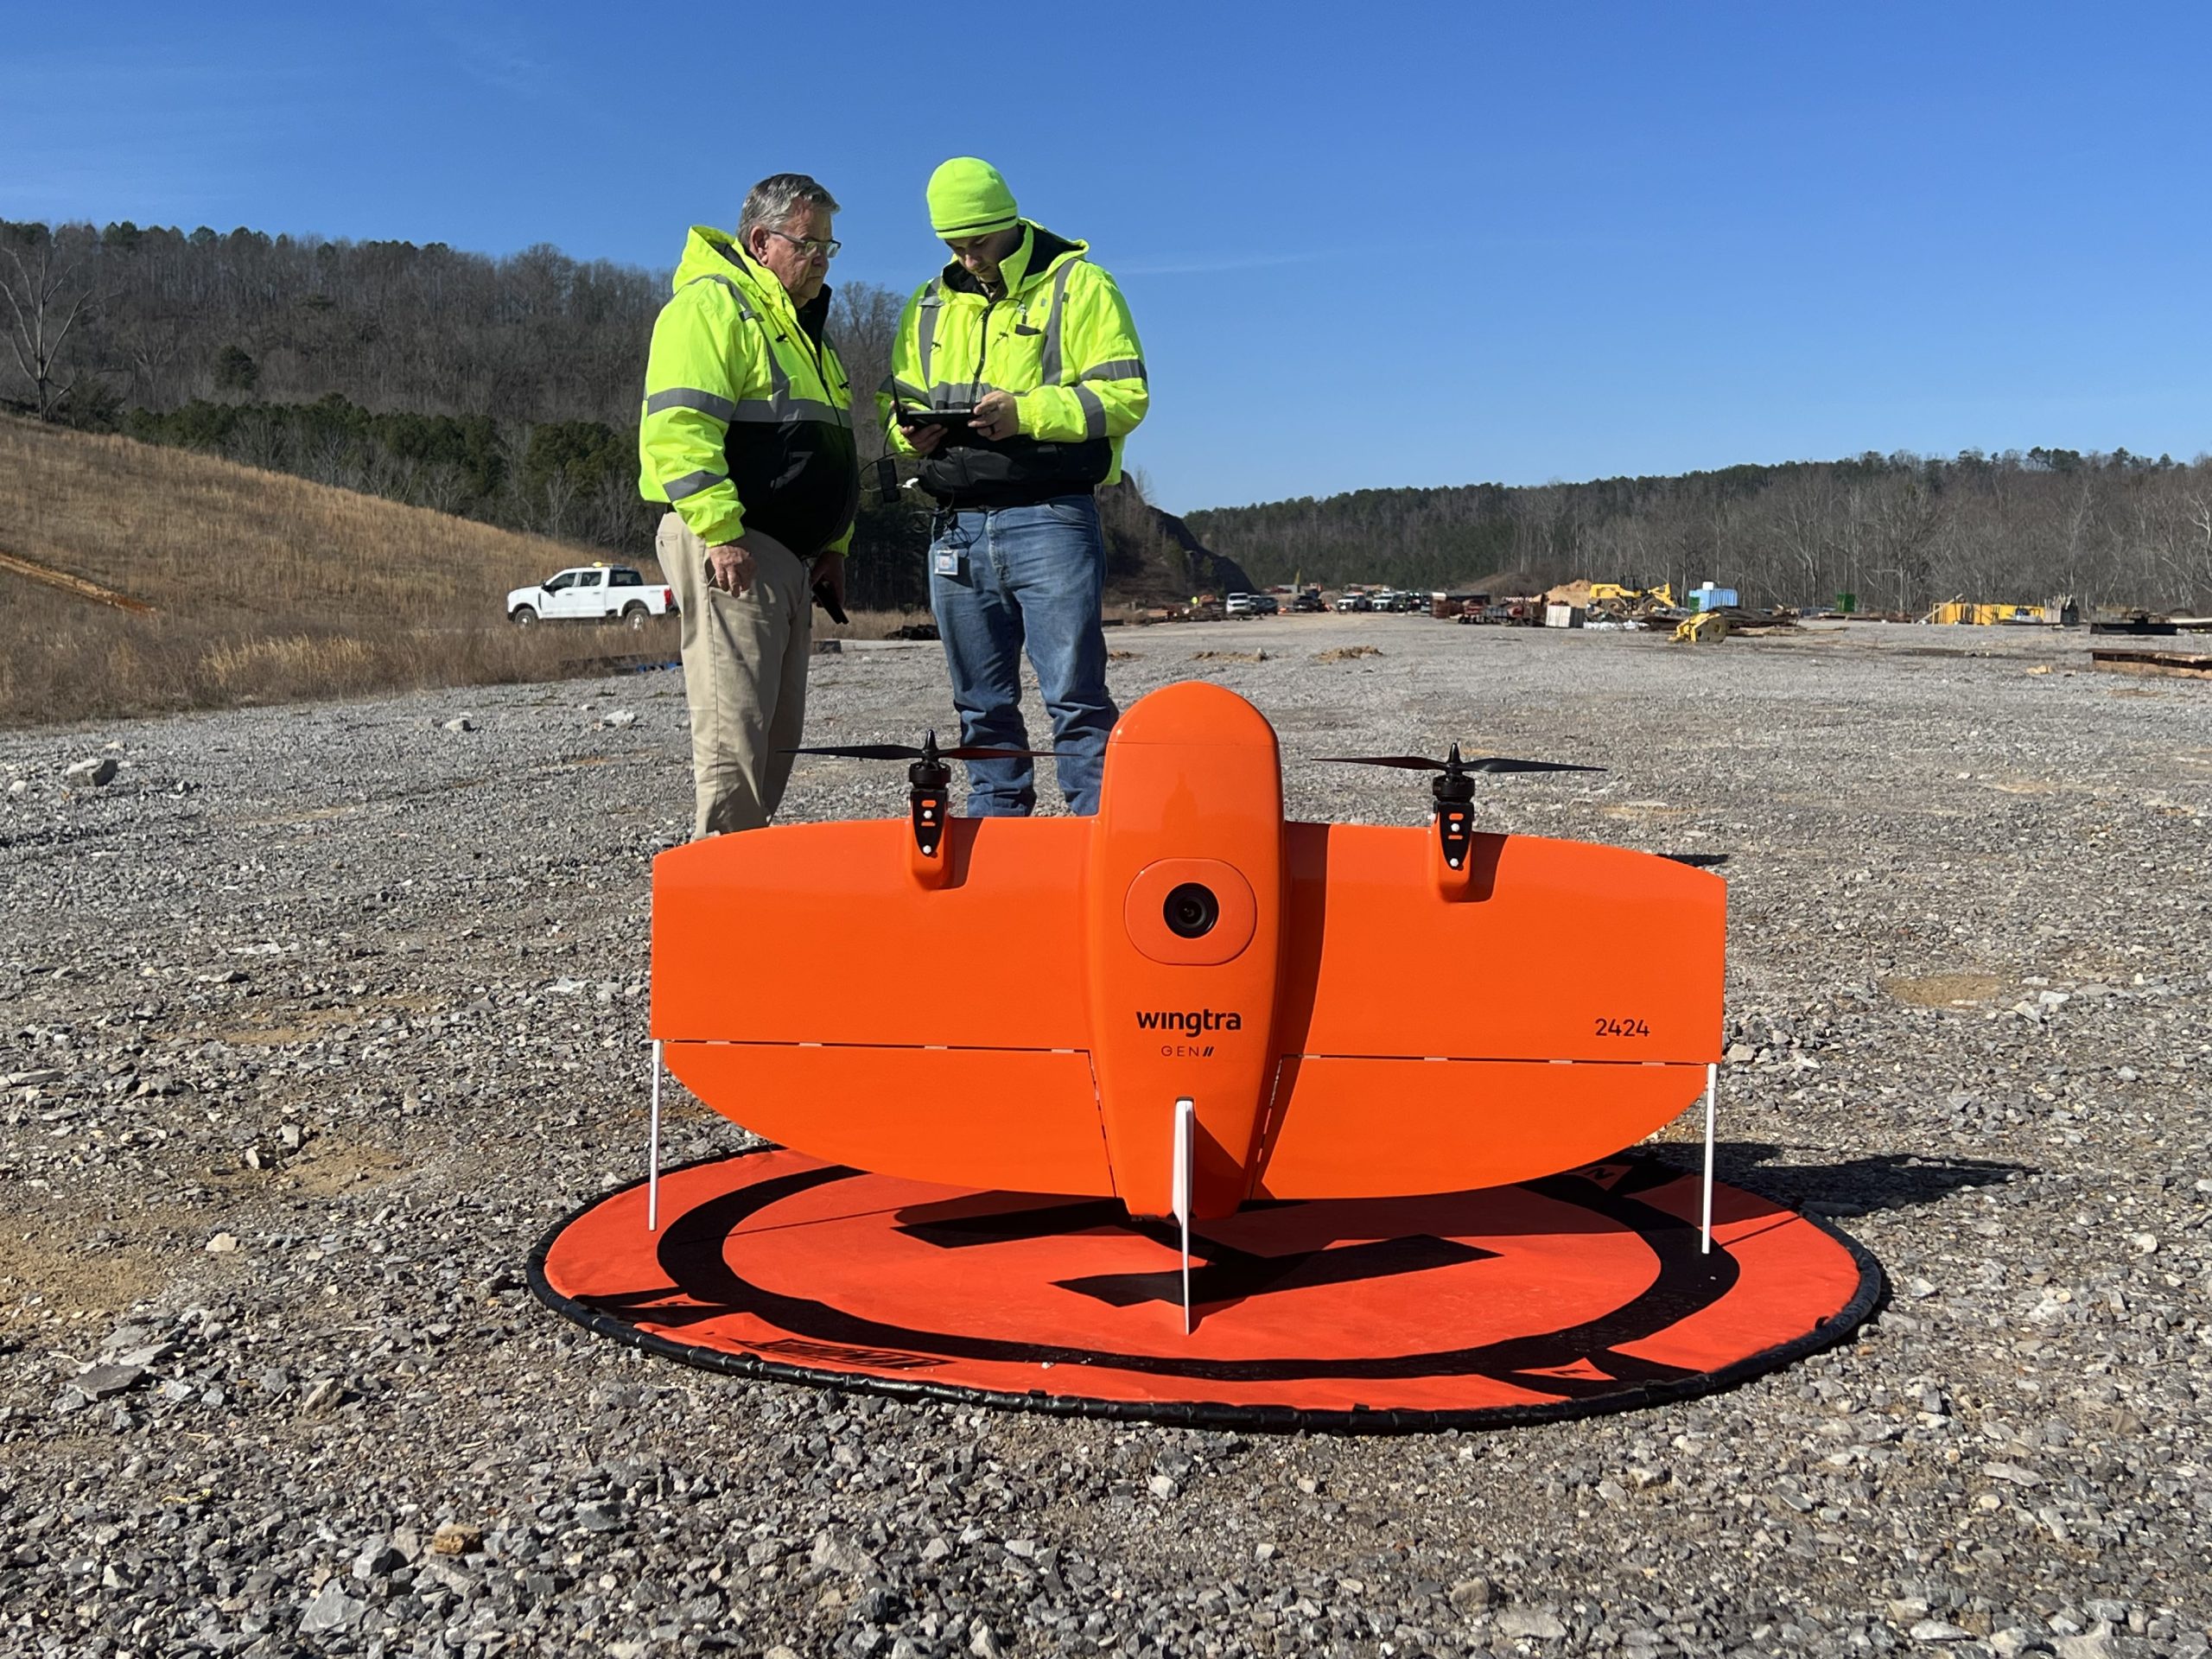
<point x="809" y="245"/>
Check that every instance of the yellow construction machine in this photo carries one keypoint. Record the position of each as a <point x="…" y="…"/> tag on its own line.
<point x="1706" y="627"/>
<point x="1661" y="598"/>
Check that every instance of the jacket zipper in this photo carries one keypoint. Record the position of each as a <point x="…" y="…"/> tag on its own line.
<point x="984" y="345"/>
<point x="982" y="350"/>
<point x="815" y="349"/>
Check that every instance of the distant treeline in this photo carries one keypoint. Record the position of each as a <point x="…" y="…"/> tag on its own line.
<point x="171" y="316"/>
<point x="500" y="390"/>
<point x="1901" y="532"/>
<point x="507" y="390"/>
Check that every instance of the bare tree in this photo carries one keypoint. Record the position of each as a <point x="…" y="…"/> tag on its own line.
<point x="44" y="297"/>
<point x="1805" y="521"/>
<point x="614" y="515"/>
<point x="445" y="488"/>
<point x="863" y="320"/>
<point x="1902" y="516"/>
<point x="151" y="340"/>
<point x="557" y="499"/>
<point x="2185" y="548"/>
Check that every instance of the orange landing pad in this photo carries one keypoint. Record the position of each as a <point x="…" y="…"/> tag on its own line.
<point x="1578" y="1293"/>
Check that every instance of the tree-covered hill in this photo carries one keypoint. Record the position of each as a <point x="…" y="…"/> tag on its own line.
<point x="1900" y="530"/>
<point x="507" y="390"/>
<point x="504" y="390"/>
<point x="171" y="316"/>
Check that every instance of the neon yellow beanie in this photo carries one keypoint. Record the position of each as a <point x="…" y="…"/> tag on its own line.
<point x="967" y="198"/>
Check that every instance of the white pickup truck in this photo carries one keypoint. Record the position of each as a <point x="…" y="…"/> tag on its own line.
<point x="592" y="592"/>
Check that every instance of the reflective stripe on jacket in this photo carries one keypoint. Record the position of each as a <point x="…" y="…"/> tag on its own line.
<point x="1061" y="341"/>
<point x="748" y="416"/>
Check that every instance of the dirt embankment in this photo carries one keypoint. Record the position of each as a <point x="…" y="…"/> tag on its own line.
<point x="135" y="578"/>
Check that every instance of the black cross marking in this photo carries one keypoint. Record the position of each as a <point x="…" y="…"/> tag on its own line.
<point x="1226" y="1274"/>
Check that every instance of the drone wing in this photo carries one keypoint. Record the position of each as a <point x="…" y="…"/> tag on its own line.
<point x="1566" y="1009"/>
<point x="806" y="986"/>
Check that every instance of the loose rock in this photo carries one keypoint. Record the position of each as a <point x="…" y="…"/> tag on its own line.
<point x="413" y="976"/>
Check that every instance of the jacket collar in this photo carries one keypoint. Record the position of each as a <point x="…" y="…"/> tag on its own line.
<point x="1034" y="259"/>
<point x="711" y="252"/>
<point x="814" y="316"/>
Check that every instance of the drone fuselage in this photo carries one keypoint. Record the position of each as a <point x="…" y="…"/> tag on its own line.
<point x="1190" y="811"/>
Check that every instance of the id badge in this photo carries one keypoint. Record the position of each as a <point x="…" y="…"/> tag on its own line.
<point x="945" y="562"/>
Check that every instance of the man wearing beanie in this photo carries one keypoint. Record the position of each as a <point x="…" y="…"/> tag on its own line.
<point x="747" y="437"/>
<point x="1022" y="326"/>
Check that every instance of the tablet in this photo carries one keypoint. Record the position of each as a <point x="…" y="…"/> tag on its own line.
<point x="936" y="416"/>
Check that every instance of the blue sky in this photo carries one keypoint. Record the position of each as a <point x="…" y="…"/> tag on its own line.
<point x="1366" y="245"/>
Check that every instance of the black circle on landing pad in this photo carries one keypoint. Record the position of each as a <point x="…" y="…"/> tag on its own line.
<point x="1579" y="1292"/>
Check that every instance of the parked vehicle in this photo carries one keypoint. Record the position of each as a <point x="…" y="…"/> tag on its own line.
<point x="1265" y="604"/>
<point x="592" y="592"/>
<point x="1238" y="605"/>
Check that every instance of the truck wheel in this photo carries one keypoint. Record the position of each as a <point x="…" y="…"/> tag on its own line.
<point x="523" y="617"/>
<point x="634" y="617"/>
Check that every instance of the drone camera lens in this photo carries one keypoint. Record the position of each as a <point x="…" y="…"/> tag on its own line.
<point x="1192" y="910"/>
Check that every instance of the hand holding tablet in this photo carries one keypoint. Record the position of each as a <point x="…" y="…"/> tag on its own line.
<point x="944" y="417"/>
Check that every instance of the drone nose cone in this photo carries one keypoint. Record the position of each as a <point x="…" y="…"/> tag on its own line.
<point x="1194" y="714"/>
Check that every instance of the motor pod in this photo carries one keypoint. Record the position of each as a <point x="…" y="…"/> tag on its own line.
<point x="929" y="811"/>
<point x="1185" y="915"/>
<point x="1452" y="846"/>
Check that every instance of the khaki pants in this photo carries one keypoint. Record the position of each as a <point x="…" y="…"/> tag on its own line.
<point x="745" y="659"/>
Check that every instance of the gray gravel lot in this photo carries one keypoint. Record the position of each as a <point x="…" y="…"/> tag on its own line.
<point x="316" y="1017"/>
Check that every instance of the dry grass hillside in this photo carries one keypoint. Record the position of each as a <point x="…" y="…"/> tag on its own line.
<point x="138" y="578"/>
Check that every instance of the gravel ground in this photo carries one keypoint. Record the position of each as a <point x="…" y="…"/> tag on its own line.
<point x="316" y="1017"/>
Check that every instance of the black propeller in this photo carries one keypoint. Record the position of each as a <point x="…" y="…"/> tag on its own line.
<point x="928" y="752"/>
<point x="1454" y="766"/>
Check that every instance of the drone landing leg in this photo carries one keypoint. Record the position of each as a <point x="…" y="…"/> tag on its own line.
<point x="1712" y="1085"/>
<point x="652" y="1151"/>
<point x="1186" y="1124"/>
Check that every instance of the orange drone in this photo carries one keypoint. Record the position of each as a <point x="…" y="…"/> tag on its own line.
<point x="1187" y="1002"/>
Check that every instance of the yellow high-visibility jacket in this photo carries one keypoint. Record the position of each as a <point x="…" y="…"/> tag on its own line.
<point x="1061" y="341"/>
<point x="747" y="416"/>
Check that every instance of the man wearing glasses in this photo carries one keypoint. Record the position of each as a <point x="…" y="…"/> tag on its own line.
<point x="747" y="437"/>
<point x="1022" y="329"/>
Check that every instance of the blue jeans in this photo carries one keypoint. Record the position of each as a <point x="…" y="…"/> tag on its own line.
<point x="1033" y="575"/>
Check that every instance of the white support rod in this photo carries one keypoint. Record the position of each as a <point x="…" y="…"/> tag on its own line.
<point x="1711" y="1087"/>
<point x="652" y="1151"/>
<point x="1186" y="1274"/>
<point x="1183" y="1177"/>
